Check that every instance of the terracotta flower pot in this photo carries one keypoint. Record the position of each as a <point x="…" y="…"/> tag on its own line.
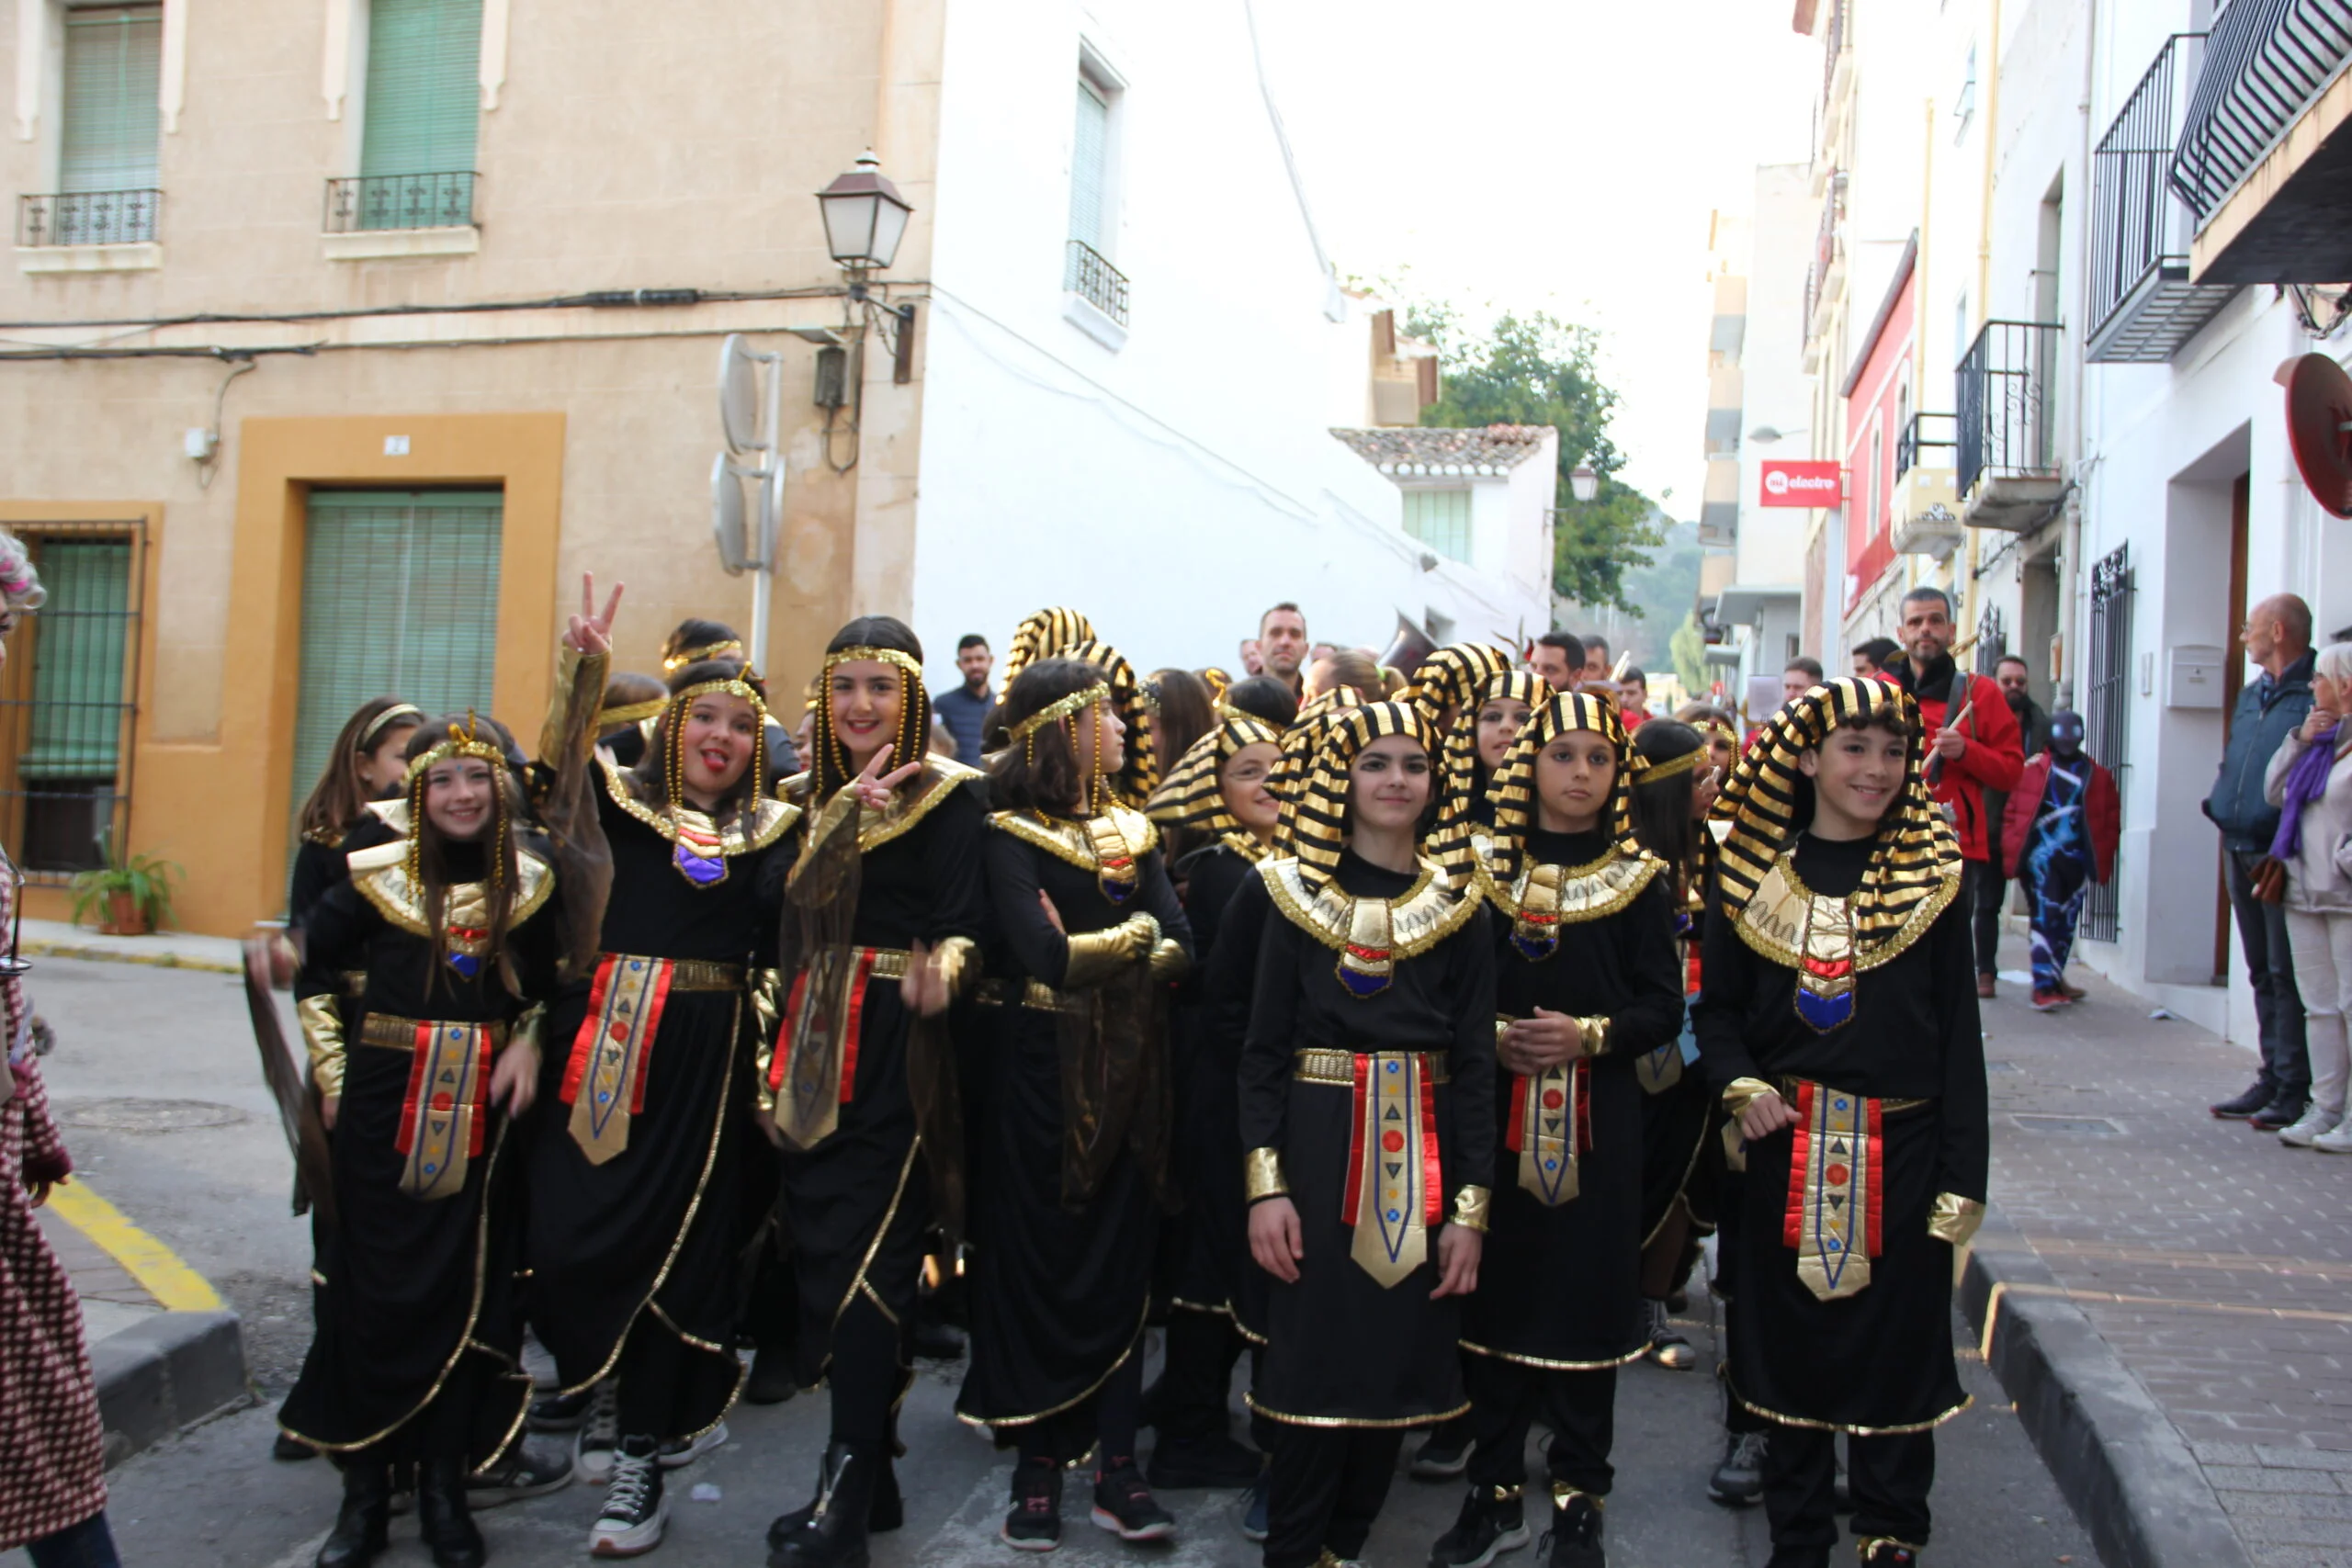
<point x="124" y="917"/>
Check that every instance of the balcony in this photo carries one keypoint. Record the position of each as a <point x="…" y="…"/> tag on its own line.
<point x="375" y="203"/>
<point x="1719" y="506"/>
<point x="1837" y="78"/>
<point x="2008" y="469"/>
<point x="2265" y="155"/>
<point x="2144" y="308"/>
<point x="1725" y="396"/>
<point x="89" y="217"/>
<point x="1825" y="283"/>
<point x="1093" y="279"/>
<point x="1926" y="514"/>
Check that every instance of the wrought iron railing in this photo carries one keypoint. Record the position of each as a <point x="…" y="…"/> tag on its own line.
<point x="89" y="217"/>
<point x="1918" y="437"/>
<point x="1992" y="641"/>
<point x="2107" y="709"/>
<point x="1827" y="243"/>
<point x="2265" y="62"/>
<point x="1093" y="279"/>
<point x="2136" y="224"/>
<point x="2004" y="390"/>
<point x="1833" y="44"/>
<point x="366" y="202"/>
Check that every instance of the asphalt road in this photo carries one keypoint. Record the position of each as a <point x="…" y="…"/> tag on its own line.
<point x="155" y="1075"/>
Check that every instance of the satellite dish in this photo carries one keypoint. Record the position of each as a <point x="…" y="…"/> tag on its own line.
<point x="1408" y="649"/>
<point x="2319" y="427"/>
<point x="738" y="395"/>
<point x="770" y="520"/>
<point x="726" y="515"/>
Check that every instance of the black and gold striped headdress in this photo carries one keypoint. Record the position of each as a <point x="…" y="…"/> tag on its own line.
<point x="830" y="768"/>
<point x="1451" y="678"/>
<point x="1190" y="796"/>
<point x="1917" y="853"/>
<point x="1465" y="775"/>
<point x="1139" y="774"/>
<point x="1298" y="743"/>
<point x="1049" y="633"/>
<point x="1315" y="825"/>
<point x="1513" y="788"/>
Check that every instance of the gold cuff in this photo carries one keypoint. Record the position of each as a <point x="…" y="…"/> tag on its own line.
<point x="957" y="957"/>
<point x="767" y="1009"/>
<point x="1594" y="1032"/>
<point x="1169" y="960"/>
<point x="321" y="1021"/>
<point x="1470" y="1207"/>
<point x="1954" y="1219"/>
<point x="1262" y="1175"/>
<point x="573" y="706"/>
<point x="1741" y="1093"/>
<point x="526" y="1030"/>
<point x="1503" y="1022"/>
<point x="1096" y="956"/>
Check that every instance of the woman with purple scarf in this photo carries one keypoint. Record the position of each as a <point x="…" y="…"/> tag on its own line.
<point x="2310" y="780"/>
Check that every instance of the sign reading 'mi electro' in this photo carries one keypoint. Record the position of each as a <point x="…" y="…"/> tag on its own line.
<point x="1789" y="483"/>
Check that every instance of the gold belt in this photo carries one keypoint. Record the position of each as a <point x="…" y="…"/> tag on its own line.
<point x="1886" y="1107"/>
<point x="1029" y="994"/>
<point x="394" y="1033"/>
<point x="352" y="983"/>
<point x="697" y="973"/>
<point x="1337" y="1069"/>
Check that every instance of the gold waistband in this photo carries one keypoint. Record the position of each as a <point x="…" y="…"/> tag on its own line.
<point x="1337" y="1069"/>
<point x="1886" y="1107"/>
<point x="697" y="974"/>
<point x="394" y="1033"/>
<point x="1030" y="994"/>
<point x="352" y="983"/>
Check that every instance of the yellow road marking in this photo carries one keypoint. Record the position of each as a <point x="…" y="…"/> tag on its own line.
<point x="178" y="1287"/>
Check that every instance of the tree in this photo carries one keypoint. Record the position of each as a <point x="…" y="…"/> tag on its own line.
<point x="1537" y="369"/>
<point x="1690" y="651"/>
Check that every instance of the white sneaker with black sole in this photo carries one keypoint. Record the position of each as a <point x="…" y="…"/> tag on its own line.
<point x="679" y="1452"/>
<point x="591" y="1450"/>
<point x="636" y="1510"/>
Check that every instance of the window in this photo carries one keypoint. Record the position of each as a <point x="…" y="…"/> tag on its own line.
<point x="1440" y="519"/>
<point x="73" y="717"/>
<point x="399" y="597"/>
<point x="421" y="108"/>
<point x="109" y="127"/>
<point x="1873" y="456"/>
<point x="1963" y="102"/>
<point x="1087" y="271"/>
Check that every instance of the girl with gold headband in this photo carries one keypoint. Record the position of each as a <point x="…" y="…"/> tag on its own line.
<point x="697" y="641"/>
<point x="1586" y="985"/>
<point x="1073" y="1152"/>
<point x="1839" y="1024"/>
<point x="1367" y="1082"/>
<point x="450" y="923"/>
<point x="888" y="908"/>
<point x="1219" y="791"/>
<point x="638" y="1162"/>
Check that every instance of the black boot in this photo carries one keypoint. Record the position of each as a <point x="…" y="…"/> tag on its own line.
<point x="359" y="1533"/>
<point x="442" y="1517"/>
<point x="886" y="1513"/>
<point x="833" y="1533"/>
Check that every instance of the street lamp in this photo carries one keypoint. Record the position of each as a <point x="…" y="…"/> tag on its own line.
<point x="1584" y="483"/>
<point x="865" y="217"/>
<point x="1766" y="434"/>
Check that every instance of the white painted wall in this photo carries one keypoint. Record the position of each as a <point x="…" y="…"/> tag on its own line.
<point x="1176" y="485"/>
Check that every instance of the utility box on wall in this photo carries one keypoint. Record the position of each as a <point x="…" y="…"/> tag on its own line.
<point x="2193" y="676"/>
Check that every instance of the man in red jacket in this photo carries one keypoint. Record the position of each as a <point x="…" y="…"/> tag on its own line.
<point x="1974" y="744"/>
<point x="2065" y="821"/>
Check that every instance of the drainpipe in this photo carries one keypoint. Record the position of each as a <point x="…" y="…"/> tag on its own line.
<point x="2068" y="564"/>
<point x="1985" y="265"/>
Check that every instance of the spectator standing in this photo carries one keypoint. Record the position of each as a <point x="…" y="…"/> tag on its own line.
<point x="2278" y="637"/>
<point x="2309" y="779"/>
<point x="2059" y="831"/>
<point x="2012" y="676"/>
<point x="1634" y="696"/>
<point x="1974" y="741"/>
<point x="1800" y="676"/>
<point x="965" y="710"/>
<point x="1876" y="656"/>
<point x="1559" y="659"/>
<point x="1596" y="657"/>
<point x="1253" y="657"/>
<point x="1282" y="643"/>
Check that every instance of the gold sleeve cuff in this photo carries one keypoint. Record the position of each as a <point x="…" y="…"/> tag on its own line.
<point x="1954" y="1219"/>
<point x="826" y="854"/>
<point x="1470" y="1206"/>
<point x="959" y="963"/>
<point x="1169" y="960"/>
<point x="529" y="1028"/>
<point x="1262" y="1175"/>
<point x="1594" y="1033"/>
<point x="767" y="1012"/>
<point x="1741" y="1093"/>
<point x="323" y="1034"/>
<point x="570" y="733"/>
<point x="1096" y="956"/>
<point x="1503" y="1020"/>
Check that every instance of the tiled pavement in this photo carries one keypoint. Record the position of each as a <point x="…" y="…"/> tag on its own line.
<point x="2214" y="1259"/>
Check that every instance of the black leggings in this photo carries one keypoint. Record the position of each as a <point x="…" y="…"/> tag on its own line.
<point x="1118" y="1411"/>
<point x="867" y="1373"/>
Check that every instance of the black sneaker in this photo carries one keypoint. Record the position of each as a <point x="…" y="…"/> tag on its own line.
<point x="1881" y="1552"/>
<point x="524" y="1472"/>
<point x="635" y="1510"/>
<point x="2283" y="1111"/>
<point x="560" y="1412"/>
<point x="1256" y="1524"/>
<point x="1034" y="1523"/>
<point x="1738" y="1482"/>
<point x="289" y="1450"/>
<point x="1215" y="1459"/>
<point x="1574" y="1540"/>
<point x="1493" y="1520"/>
<point x="1444" y="1454"/>
<point x="1125" y="1505"/>
<point x="1667" y="1347"/>
<point x="2240" y="1107"/>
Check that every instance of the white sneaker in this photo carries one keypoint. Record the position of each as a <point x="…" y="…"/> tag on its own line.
<point x="2337" y="1141"/>
<point x="636" y="1509"/>
<point x="2303" y="1133"/>
<point x="591" y="1450"/>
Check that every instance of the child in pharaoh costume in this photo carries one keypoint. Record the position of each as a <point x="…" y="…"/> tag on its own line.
<point x="1839" y="1024"/>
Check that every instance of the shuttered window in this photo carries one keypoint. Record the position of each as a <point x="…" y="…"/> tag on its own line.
<point x="109" y="123"/>
<point x="399" y="598"/>
<point x="1440" y="519"/>
<point x="1089" y="172"/>
<point x="79" y="645"/>
<point x="423" y="59"/>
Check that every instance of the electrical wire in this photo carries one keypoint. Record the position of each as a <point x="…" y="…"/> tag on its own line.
<point x="594" y="299"/>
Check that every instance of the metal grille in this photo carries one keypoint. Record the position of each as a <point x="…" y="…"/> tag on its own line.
<point x="2107" y="710"/>
<point x="2265" y="62"/>
<point x="89" y="217"/>
<point x="70" y="704"/>
<point x="2136" y="226"/>
<point x="1096" y="281"/>
<point x="366" y="202"/>
<point x="1992" y="641"/>
<point x="2004" y="388"/>
<point x="1918" y="437"/>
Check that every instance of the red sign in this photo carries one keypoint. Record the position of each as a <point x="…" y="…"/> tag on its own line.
<point x="1792" y="483"/>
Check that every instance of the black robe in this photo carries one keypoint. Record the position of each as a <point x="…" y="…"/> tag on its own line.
<point x="1343" y="1351"/>
<point x="658" y="1226"/>
<point x="1060" y="1292"/>
<point x="1679" y="1116"/>
<point x="1204" y="1246"/>
<point x="412" y="1296"/>
<point x="1881" y="1359"/>
<point x="1559" y="1285"/>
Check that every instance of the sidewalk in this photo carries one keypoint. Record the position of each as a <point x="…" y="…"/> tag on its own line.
<point x="171" y="950"/>
<point x="2211" y="1259"/>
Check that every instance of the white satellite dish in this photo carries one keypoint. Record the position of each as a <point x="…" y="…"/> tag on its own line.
<point x="726" y="515"/>
<point x="738" y="395"/>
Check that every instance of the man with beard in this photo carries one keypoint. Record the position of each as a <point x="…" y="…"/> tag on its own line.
<point x="2011" y="675"/>
<point x="1282" y="642"/>
<point x="1974" y="745"/>
<point x="964" y="708"/>
<point x="1559" y="659"/>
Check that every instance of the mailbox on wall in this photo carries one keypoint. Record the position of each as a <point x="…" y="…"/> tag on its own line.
<point x="2193" y="676"/>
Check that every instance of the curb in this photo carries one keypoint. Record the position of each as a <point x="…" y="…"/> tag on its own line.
<point x="2116" y="1456"/>
<point x="162" y="958"/>
<point x="172" y="1371"/>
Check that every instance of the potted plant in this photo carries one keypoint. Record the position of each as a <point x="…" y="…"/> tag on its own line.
<point x="131" y="894"/>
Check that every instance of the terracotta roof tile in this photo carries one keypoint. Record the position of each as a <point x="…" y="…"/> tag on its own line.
<point x="1491" y="450"/>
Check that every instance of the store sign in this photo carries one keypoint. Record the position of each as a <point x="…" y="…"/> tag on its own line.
<point x="1788" y="482"/>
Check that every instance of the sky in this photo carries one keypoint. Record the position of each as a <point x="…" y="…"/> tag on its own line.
<point x="1550" y="154"/>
